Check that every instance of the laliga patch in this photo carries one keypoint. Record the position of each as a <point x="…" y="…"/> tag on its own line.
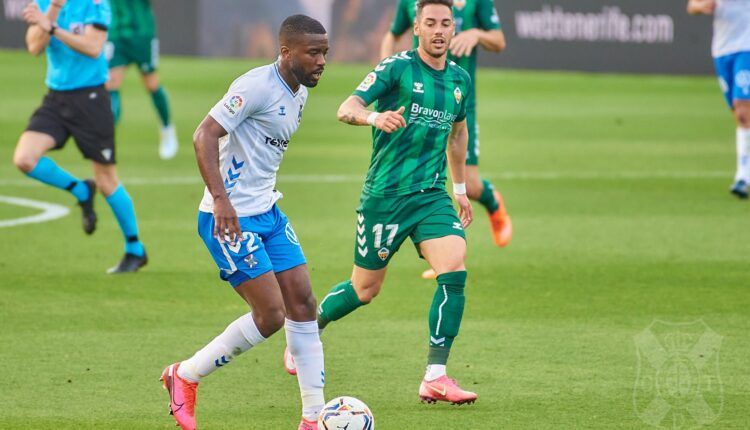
<point x="457" y="94"/>
<point x="233" y="104"/>
<point x="367" y="82"/>
<point x="384" y="253"/>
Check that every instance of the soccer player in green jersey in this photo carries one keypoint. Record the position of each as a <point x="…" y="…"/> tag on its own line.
<point x="421" y="102"/>
<point x="477" y="24"/>
<point x="132" y="40"/>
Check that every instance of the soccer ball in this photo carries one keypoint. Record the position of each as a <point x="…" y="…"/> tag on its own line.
<point x="346" y="413"/>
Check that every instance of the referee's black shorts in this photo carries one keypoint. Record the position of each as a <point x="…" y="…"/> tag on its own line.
<point x="85" y="114"/>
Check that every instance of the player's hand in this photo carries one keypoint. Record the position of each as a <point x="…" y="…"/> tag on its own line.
<point x="706" y="7"/>
<point x="226" y="225"/>
<point x="390" y="121"/>
<point x="464" y="43"/>
<point x="465" y="211"/>
<point x="33" y="16"/>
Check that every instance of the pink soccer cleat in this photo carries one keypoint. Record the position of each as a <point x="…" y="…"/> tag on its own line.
<point x="289" y="365"/>
<point x="308" y="425"/>
<point x="445" y="389"/>
<point x="181" y="397"/>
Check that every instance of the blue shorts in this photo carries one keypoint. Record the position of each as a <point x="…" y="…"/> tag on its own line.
<point x="734" y="76"/>
<point x="269" y="244"/>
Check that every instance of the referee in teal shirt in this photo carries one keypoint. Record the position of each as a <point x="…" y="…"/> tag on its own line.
<point x="73" y="33"/>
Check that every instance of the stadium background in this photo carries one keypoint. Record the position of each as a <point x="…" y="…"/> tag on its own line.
<point x="617" y="184"/>
<point x="641" y="36"/>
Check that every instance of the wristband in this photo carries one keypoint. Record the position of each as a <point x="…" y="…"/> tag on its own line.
<point x="459" y="188"/>
<point x="372" y="117"/>
<point x="52" y="29"/>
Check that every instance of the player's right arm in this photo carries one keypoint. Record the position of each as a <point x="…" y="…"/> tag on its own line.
<point x="206" y="144"/>
<point x="401" y="23"/>
<point x="37" y="35"/>
<point x="354" y="112"/>
<point x="701" y="7"/>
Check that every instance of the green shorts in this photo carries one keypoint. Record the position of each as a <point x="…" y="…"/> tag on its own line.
<point x="383" y="224"/>
<point x="472" y="154"/>
<point x="141" y="51"/>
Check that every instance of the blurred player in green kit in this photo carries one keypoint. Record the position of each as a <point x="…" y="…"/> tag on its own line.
<point x="132" y="40"/>
<point x="477" y="24"/>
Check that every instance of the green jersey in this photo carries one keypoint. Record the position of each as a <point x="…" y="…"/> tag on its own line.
<point x="413" y="158"/>
<point x="468" y="14"/>
<point x="131" y="19"/>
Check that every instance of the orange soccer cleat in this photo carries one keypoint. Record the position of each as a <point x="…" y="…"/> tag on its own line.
<point x="181" y="397"/>
<point x="445" y="389"/>
<point x="502" y="228"/>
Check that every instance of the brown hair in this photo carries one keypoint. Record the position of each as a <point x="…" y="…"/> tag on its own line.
<point x="422" y="3"/>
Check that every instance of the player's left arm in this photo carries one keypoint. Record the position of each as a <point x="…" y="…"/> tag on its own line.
<point x="458" y="142"/>
<point x="489" y="35"/>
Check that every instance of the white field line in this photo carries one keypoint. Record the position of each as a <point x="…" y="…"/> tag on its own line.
<point x="50" y="211"/>
<point x="331" y="179"/>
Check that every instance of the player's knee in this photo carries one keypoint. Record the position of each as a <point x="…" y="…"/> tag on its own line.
<point x="367" y="291"/>
<point x="742" y="114"/>
<point x="474" y="189"/>
<point x="269" y="321"/>
<point x="303" y="310"/>
<point x="24" y="162"/>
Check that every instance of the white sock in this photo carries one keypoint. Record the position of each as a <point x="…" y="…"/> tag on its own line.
<point x="743" y="154"/>
<point x="303" y="341"/>
<point x="434" y="371"/>
<point x="239" y="336"/>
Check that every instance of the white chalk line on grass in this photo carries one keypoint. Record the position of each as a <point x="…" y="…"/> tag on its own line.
<point x="331" y="179"/>
<point x="50" y="211"/>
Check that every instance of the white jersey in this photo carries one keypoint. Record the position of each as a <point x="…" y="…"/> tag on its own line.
<point x="260" y="114"/>
<point x="731" y="27"/>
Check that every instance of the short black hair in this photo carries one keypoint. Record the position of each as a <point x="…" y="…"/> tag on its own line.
<point x="422" y="3"/>
<point x="297" y="25"/>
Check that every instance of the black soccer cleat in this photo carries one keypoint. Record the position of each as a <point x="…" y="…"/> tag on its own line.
<point x="739" y="189"/>
<point x="130" y="263"/>
<point x="88" y="216"/>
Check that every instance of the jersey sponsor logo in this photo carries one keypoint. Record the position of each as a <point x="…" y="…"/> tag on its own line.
<point x="743" y="81"/>
<point x="233" y="105"/>
<point x="367" y="82"/>
<point x="458" y="95"/>
<point x="418" y="87"/>
<point x="432" y="118"/>
<point x="278" y="143"/>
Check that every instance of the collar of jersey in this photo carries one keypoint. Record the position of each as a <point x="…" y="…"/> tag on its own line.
<point x="429" y="68"/>
<point x="278" y="75"/>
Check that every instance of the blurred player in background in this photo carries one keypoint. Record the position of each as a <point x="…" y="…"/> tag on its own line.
<point x="404" y="194"/>
<point x="239" y="147"/>
<point x="477" y="24"/>
<point x="72" y="34"/>
<point x="731" y="53"/>
<point x="132" y="40"/>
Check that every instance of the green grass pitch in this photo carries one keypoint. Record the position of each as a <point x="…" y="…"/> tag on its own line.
<point x="618" y="189"/>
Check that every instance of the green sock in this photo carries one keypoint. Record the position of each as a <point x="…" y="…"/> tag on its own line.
<point x="340" y="301"/>
<point x="161" y="103"/>
<point x="115" y="96"/>
<point x="445" y="315"/>
<point x="487" y="199"/>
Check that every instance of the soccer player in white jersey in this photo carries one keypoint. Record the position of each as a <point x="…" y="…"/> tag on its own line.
<point x="731" y="52"/>
<point x="239" y="147"/>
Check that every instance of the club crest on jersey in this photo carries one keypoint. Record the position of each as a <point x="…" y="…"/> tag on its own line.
<point x="233" y="105"/>
<point x="367" y="82"/>
<point x="384" y="253"/>
<point x="458" y="95"/>
<point x="282" y="110"/>
<point x="418" y="87"/>
<point x="459" y="4"/>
